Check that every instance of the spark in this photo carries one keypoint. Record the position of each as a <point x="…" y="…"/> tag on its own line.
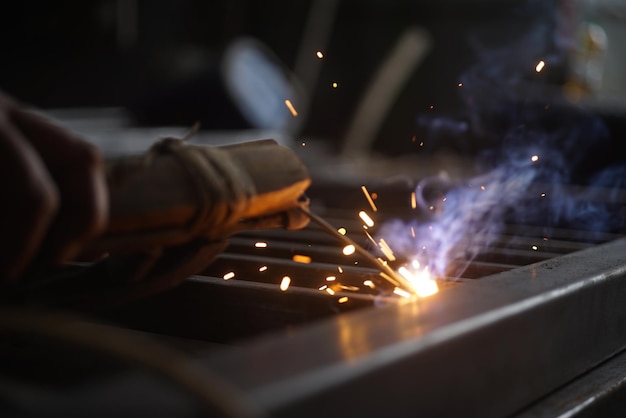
<point x="335" y="85"/>
<point x="542" y="195"/>
<point x="374" y="196"/>
<point x="323" y="287"/>
<point x="534" y="158"/>
<point x="342" y="231"/>
<point x="370" y="237"/>
<point x="422" y="144"/>
<point x="413" y="201"/>
<point x="229" y="275"/>
<point x="303" y="144"/>
<point x="386" y="249"/>
<point x="431" y="107"/>
<point x="369" y="198"/>
<point x="349" y="249"/>
<point x="401" y="292"/>
<point x="540" y="66"/>
<point x="260" y="244"/>
<point x="285" y="282"/>
<point x="330" y="291"/>
<point x="366" y="218"/>
<point x="299" y="258"/>
<point x="482" y="188"/>
<point x="343" y="299"/>
<point x="460" y="84"/>
<point x="339" y="269"/>
<point x="413" y="232"/>
<point x="369" y="284"/>
<point x="263" y="268"/>
<point x="534" y="247"/>
<point x="291" y="108"/>
<point x="331" y="278"/>
<point x="319" y="54"/>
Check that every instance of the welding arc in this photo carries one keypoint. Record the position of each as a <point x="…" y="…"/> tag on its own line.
<point x="390" y="274"/>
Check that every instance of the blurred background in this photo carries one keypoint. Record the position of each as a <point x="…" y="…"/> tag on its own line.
<point x="391" y="78"/>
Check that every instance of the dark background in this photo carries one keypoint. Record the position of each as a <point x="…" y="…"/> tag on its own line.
<point x="114" y="53"/>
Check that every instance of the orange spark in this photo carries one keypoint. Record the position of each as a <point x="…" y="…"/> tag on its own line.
<point x="366" y="218"/>
<point x="284" y="284"/>
<point x="540" y="66"/>
<point x="369" y="198"/>
<point x="299" y="258"/>
<point x="291" y="108"/>
<point x="349" y="249"/>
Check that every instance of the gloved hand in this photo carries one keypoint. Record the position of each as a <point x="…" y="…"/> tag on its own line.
<point x="172" y="210"/>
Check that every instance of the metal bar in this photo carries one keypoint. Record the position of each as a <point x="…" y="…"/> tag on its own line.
<point x="483" y="349"/>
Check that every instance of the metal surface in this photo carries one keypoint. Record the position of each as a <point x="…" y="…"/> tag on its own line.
<point x="599" y="393"/>
<point x="485" y="349"/>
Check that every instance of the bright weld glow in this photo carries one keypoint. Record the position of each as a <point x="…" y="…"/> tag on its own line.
<point x="401" y="292"/>
<point x="299" y="258"/>
<point x="343" y="299"/>
<point x="349" y="249"/>
<point x="330" y="291"/>
<point x="540" y="66"/>
<point x="262" y="268"/>
<point x="260" y="244"/>
<point x="366" y="218"/>
<point x="285" y="282"/>
<point x="331" y="278"/>
<point x="319" y="54"/>
<point x="413" y="201"/>
<point x="291" y="108"/>
<point x="534" y="158"/>
<point x="369" y="198"/>
<point x="369" y="284"/>
<point x="342" y="231"/>
<point x="229" y="275"/>
<point x="335" y="85"/>
<point x="420" y="280"/>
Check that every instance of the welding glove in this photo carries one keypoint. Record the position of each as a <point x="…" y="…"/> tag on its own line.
<point x="173" y="209"/>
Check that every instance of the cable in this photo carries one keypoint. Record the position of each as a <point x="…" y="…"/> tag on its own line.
<point x="215" y="396"/>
